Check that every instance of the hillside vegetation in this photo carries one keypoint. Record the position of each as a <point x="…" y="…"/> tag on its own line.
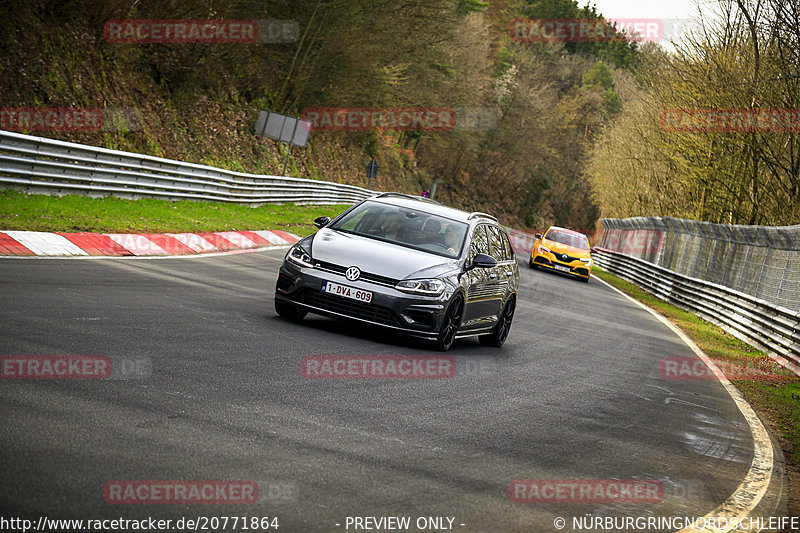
<point x="569" y="131"/>
<point x="744" y="62"/>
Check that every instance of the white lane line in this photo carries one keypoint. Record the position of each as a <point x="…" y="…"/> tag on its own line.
<point x="44" y="243"/>
<point x="751" y="490"/>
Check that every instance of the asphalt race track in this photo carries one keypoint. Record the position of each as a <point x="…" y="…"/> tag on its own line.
<point x="216" y="393"/>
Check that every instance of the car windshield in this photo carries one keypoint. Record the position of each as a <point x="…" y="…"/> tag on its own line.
<point x="405" y="226"/>
<point x="576" y="240"/>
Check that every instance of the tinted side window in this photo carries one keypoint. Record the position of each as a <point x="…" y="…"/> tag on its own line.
<point x="498" y="249"/>
<point x="507" y="246"/>
<point x="480" y="243"/>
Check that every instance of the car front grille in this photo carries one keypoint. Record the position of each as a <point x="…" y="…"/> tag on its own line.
<point x="348" y="307"/>
<point x="569" y="258"/>
<point x="366" y="276"/>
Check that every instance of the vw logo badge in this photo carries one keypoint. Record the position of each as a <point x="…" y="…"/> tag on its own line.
<point x="352" y="273"/>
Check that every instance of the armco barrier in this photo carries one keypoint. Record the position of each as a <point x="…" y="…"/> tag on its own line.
<point x="765" y="325"/>
<point x="40" y="165"/>
<point x="763" y="261"/>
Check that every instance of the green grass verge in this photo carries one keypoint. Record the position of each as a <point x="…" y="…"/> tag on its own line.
<point x="74" y="213"/>
<point x="773" y="391"/>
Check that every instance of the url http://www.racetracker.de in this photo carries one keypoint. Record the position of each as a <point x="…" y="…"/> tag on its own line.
<point x="244" y="523"/>
<point x="198" y="523"/>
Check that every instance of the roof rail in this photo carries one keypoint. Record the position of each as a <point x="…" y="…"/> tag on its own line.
<point x="478" y="214"/>
<point x="409" y="196"/>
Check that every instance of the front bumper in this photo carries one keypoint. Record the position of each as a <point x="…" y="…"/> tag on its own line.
<point x="549" y="261"/>
<point x="419" y="316"/>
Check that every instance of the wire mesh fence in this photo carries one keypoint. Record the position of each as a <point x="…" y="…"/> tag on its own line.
<point x="760" y="261"/>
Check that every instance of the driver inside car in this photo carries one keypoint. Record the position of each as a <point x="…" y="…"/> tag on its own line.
<point x="392" y="227"/>
<point x="431" y="233"/>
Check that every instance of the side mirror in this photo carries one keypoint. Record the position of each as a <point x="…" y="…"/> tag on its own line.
<point x="482" y="261"/>
<point x="538" y="236"/>
<point x="321" y="222"/>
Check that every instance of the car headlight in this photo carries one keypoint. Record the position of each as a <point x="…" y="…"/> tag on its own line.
<point x="587" y="260"/>
<point x="428" y="287"/>
<point x="543" y="250"/>
<point x="299" y="256"/>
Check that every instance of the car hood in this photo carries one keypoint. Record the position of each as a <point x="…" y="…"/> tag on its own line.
<point x="377" y="257"/>
<point x="558" y="248"/>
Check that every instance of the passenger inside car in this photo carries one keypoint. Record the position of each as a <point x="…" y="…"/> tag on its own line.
<point x="452" y="240"/>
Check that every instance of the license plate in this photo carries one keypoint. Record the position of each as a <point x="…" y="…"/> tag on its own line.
<point x="347" y="292"/>
<point x="562" y="268"/>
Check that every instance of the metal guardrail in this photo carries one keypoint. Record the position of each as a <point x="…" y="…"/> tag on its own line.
<point x="765" y="325"/>
<point x="40" y="165"/>
<point x="763" y="261"/>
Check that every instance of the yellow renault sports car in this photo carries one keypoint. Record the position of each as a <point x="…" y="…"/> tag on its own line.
<point x="563" y="250"/>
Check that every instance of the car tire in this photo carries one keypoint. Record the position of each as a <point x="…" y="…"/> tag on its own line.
<point x="450" y="324"/>
<point x="499" y="334"/>
<point x="289" y="311"/>
<point x="585" y="280"/>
